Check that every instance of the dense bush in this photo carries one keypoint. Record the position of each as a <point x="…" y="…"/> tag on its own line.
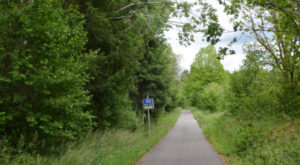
<point x="42" y="74"/>
<point x="212" y="97"/>
<point x="289" y="96"/>
<point x="247" y="137"/>
<point x="253" y="90"/>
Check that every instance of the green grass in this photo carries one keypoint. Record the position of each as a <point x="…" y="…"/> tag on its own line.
<point x="115" y="147"/>
<point x="271" y="140"/>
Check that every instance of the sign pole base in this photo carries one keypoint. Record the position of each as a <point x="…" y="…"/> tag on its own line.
<point x="149" y="123"/>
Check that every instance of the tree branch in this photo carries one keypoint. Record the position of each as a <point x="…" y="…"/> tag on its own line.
<point x="138" y="4"/>
<point x="290" y="16"/>
<point x="262" y="42"/>
<point x="127" y="16"/>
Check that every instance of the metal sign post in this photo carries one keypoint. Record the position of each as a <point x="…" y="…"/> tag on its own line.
<point x="147" y="105"/>
<point x="149" y="123"/>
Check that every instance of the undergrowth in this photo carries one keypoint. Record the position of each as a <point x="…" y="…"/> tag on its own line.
<point x="114" y="147"/>
<point x="271" y="140"/>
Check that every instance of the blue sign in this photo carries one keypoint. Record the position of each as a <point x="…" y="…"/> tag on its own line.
<point x="148" y="103"/>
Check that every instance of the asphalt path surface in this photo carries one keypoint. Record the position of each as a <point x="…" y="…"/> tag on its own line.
<point x="185" y="144"/>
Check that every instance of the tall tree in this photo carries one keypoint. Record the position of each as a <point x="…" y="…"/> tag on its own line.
<point x="124" y="34"/>
<point x="275" y="24"/>
<point x="156" y="76"/>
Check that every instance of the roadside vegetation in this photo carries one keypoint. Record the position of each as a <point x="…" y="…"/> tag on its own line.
<point x="271" y="140"/>
<point x="251" y="115"/>
<point x="71" y="68"/>
<point x="73" y="75"/>
<point x="244" y="114"/>
<point x="114" y="147"/>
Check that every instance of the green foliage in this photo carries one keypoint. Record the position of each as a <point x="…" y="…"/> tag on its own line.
<point x="247" y="137"/>
<point x="206" y="69"/>
<point x="253" y="91"/>
<point x="157" y="77"/>
<point x="116" y="147"/>
<point x="271" y="140"/>
<point x="180" y="96"/>
<point x="289" y="96"/>
<point x="132" y="63"/>
<point x="70" y="66"/>
<point x="256" y="102"/>
<point x="113" y="69"/>
<point x="67" y="67"/>
<point x="274" y="25"/>
<point x="258" y="105"/>
<point x="212" y="97"/>
<point x="42" y="74"/>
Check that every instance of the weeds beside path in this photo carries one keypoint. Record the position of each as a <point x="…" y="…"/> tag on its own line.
<point x="267" y="141"/>
<point x="115" y="147"/>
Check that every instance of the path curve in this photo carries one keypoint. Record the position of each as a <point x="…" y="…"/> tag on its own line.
<point x="185" y="144"/>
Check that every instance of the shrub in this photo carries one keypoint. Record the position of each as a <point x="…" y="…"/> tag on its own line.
<point x="212" y="97"/>
<point x="247" y="137"/>
<point x="42" y="73"/>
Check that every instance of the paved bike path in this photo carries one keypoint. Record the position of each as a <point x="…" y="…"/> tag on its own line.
<point x="185" y="144"/>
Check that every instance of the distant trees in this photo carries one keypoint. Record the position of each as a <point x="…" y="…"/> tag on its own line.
<point x="206" y="72"/>
<point x="257" y="89"/>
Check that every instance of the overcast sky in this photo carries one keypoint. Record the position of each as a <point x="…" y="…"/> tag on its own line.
<point x="230" y="63"/>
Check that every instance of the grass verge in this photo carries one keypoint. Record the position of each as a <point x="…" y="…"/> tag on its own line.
<point x="115" y="147"/>
<point x="270" y="140"/>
